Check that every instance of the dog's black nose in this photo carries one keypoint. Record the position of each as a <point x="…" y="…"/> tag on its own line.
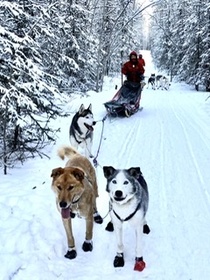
<point x="118" y="193"/>
<point x="63" y="204"/>
<point x="94" y="123"/>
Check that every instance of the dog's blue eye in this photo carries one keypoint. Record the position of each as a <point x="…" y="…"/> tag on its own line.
<point x="114" y="182"/>
<point x="125" y="183"/>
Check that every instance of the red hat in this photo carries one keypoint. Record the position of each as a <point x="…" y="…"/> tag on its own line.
<point x="133" y="53"/>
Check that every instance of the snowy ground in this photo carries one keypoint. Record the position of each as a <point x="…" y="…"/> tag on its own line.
<point x="170" y="141"/>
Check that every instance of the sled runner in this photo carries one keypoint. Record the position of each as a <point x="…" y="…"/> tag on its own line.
<point x="126" y="101"/>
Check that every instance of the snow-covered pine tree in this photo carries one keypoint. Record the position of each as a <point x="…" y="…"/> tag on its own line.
<point x="180" y="39"/>
<point x="27" y="99"/>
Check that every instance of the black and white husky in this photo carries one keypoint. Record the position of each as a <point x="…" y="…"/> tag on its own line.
<point x="151" y="81"/>
<point x="129" y="200"/>
<point x="81" y="130"/>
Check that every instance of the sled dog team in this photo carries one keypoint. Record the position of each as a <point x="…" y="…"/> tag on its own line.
<point x="158" y="82"/>
<point x="75" y="187"/>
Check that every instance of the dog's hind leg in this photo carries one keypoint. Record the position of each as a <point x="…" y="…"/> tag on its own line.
<point x="97" y="217"/>
<point x="110" y="227"/>
<point x="146" y="229"/>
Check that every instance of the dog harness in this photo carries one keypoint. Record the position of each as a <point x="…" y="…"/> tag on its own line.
<point x="130" y="216"/>
<point x="82" y="138"/>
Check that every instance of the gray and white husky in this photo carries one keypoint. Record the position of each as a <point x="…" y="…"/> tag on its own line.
<point x="81" y="130"/>
<point x="129" y="200"/>
<point x="162" y="82"/>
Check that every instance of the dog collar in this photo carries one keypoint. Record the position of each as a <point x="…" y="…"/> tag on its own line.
<point x="76" y="201"/>
<point x="130" y="216"/>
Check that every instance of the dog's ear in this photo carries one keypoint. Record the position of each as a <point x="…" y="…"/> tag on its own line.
<point x="108" y="171"/>
<point x="81" y="109"/>
<point x="57" y="172"/>
<point x="90" y="107"/>
<point x="134" y="172"/>
<point x="78" y="174"/>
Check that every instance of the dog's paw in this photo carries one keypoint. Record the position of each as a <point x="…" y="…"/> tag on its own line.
<point x="87" y="246"/>
<point x="72" y="215"/>
<point x="98" y="219"/>
<point x="139" y="264"/>
<point x="71" y="254"/>
<point x="119" y="260"/>
<point x="146" y="229"/>
<point x="109" y="227"/>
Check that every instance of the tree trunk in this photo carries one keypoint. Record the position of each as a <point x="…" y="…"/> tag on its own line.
<point x="5" y="142"/>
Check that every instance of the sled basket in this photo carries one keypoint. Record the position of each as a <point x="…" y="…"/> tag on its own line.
<point x="126" y="101"/>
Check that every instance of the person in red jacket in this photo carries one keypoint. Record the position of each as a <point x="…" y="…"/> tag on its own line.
<point x="141" y="60"/>
<point x="132" y="69"/>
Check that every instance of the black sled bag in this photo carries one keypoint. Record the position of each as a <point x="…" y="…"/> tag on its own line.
<point x="126" y="101"/>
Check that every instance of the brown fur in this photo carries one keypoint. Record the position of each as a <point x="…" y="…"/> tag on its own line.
<point x="76" y="190"/>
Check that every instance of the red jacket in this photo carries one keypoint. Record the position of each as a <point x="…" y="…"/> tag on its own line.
<point x="142" y="61"/>
<point x="133" y="72"/>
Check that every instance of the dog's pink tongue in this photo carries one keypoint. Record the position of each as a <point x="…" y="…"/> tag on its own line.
<point x="89" y="127"/>
<point x="65" y="213"/>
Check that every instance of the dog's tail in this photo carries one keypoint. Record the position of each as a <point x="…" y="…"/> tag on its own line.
<point x="66" y="151"/>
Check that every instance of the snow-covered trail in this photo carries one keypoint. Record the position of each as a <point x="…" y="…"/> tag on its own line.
<point x="170" y="141"/>
<point x="180" y="149"/>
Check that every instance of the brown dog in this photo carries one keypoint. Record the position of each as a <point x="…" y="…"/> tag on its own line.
<point x="76" y="190"/>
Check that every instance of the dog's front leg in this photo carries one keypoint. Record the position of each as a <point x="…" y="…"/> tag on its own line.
<point x="119" y="258"/>
<point x="139" y="262"/>
<point x="88" y="245"/>
<point x="88" y="147"/>
<point x="139" y="237"/>
<point x="71" y="253"/>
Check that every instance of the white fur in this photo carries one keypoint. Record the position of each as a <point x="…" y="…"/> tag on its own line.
<point x="137" y="223"/>
<point x="84" y="147"/>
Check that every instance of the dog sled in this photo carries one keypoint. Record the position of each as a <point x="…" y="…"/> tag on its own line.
<point x="126" y="101"/>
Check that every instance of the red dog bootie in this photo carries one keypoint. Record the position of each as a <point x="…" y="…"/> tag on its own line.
<point x="139" y="264"/>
